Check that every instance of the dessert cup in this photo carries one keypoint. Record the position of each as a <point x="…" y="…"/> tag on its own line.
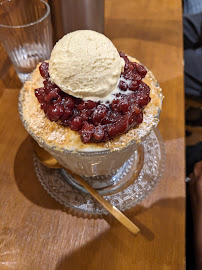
<point x="91" y="159"/>
<point x="122" y="194"/>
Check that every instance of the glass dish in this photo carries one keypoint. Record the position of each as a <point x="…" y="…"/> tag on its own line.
<point x="135" y="186"/>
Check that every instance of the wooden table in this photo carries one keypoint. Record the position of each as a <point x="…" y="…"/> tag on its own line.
<point x="38" y="233"/>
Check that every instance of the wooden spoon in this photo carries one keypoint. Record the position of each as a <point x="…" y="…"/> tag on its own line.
<point x="49" y="161"/>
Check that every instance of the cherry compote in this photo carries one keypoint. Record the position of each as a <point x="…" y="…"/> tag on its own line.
<point x="97" y="121"/>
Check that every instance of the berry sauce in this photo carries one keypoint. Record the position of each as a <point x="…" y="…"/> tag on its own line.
<point x="97" y="121"/>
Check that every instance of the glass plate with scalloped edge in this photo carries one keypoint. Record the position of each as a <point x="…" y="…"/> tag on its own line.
<point x="127" y="187"/>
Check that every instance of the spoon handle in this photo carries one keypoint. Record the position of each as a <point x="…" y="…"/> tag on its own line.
<point x="112" y="209"/>
<point x="51" y="162"/>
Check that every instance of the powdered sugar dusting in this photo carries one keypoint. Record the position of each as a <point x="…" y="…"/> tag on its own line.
<point x="55" y="135"/>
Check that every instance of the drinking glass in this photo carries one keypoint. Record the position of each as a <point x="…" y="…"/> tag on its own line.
<point x="72" y="15"/>
<point x="26" y="33"/>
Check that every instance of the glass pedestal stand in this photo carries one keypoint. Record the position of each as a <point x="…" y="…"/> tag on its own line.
<point x="127" y="187"/>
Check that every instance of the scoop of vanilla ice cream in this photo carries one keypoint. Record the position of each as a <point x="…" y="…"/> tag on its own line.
<point x="85" y="64"/>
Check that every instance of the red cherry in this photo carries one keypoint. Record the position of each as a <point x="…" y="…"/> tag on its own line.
<point x="99" y="113"/>
<point x="99" y="133"/>
<point x="54" y="112"/>
<point x="123" y="85"/>
<point x="76" y="123"/>
<point x="44" y="69"/>
<point x="133" y="86"/>
<point x="86" y="132"/>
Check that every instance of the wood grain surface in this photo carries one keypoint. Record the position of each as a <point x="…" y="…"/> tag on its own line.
<point x="38" y="233"/>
